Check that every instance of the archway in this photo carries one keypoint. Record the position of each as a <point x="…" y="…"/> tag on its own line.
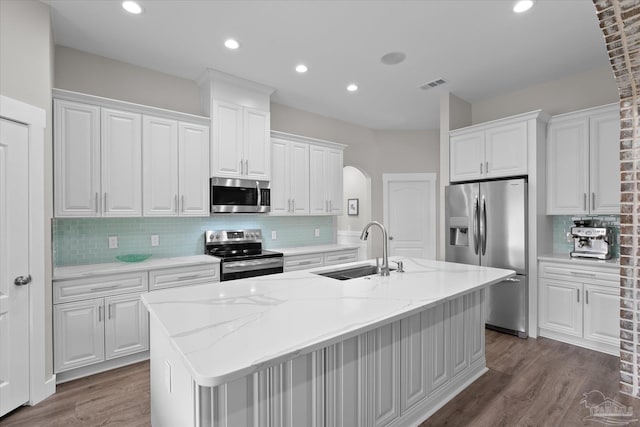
<point x="356" y="186"/>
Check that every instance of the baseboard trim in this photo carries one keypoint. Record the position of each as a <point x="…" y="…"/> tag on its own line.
<point x="84" y="371"/>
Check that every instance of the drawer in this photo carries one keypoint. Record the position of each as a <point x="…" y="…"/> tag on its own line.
<point x="341" y="257"/>
<point x="580" y="274"/>
<point x="99" y="286"/>
<point x="302" y="262"/>
<point x="183" y="276"/>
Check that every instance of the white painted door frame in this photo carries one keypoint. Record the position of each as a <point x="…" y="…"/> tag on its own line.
<point x="40" y="386"/>
<point x="430" y="179"/>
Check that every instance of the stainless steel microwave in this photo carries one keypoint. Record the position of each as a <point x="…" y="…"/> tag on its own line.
<point x="229" y="195"/>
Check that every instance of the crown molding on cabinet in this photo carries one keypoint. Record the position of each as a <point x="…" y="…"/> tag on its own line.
<point x="537" y="114"/>
<point x="308" y="140"/>
<point x="131" y="107"/>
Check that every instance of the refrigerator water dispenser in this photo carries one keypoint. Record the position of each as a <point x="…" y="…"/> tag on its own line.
<point x="459" y="231"/>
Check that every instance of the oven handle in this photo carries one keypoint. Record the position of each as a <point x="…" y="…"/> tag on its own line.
<point x="253" y="264"/>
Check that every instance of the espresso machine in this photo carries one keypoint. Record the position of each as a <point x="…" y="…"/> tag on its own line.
<point x="590" y="241"/>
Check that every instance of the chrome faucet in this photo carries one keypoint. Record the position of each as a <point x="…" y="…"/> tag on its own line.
<point x="384" y="270"/>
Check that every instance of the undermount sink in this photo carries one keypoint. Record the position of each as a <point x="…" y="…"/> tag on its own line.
<point x="351" y="272"/>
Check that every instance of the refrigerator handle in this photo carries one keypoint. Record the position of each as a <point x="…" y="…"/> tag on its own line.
<point x="483" y="226"/>
<point x="475" y="224"/>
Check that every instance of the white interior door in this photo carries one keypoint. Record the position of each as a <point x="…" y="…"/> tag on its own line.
<point x="409" y="204"/>
<point x="14" y="262"/>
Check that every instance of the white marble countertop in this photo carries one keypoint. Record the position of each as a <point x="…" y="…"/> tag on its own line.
<point x="565" y="258"/>
<point x="77" y="271"/>
<point x="228" y="330"/>
<point x="304" y="250"/>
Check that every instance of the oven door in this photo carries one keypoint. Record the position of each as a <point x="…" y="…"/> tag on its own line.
<point x="239" y="195"/>
<point x="251" y="268"/>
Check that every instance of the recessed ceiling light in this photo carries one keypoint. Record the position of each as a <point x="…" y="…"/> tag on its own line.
<point x="301" y="68"/>
<point x="132" y="7"/>
<point x="352" y="87"/>
<point x="393" y="58"/>
<point x="522" y="6"/>
<point x="231" y="44"/>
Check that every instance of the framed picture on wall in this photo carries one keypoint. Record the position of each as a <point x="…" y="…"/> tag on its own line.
<point x="352" y="207"/>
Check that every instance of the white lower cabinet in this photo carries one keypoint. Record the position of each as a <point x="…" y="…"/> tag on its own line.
<point x="91" y="331"/>
<point x="101" y="318"/>
<point x="126" y="326"/>
<point x="79" y="334"/>
<point x="580" y="305"/>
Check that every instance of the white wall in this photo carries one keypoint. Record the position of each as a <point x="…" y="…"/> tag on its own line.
<point x="96" y="75"/>
<point x="355" y="186"/>
<point x="26" y="74"/>
<point x="582" y="90"/>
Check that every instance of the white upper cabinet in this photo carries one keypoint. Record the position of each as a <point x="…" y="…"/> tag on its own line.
<point x="492" y="150"/>
<point x="604" y="161"/>
<point x="76" y="159"/>
<point x="241" y="145"/>
<point x="193" y="170"/>
<point x="111" y="162"/>
<point x="290" y="177"/>
<point x="466" y="156"/>
<point x="175" y="168"/>
<point x="583" y="171"/>
<point x="121" y="162"/>
<point x="160" y="166"/>
<point x="307" y="176"/>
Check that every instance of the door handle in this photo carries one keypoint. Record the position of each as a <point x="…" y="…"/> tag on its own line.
<point x="97" y="199"/>
<point x="109" y="311"/>
<point x="22" y="280"/>
<point x="175" y="202"/>
<point x="480" y="168"/>
<point x="584" y="201"/>
<point x="475" y="225"/>
<point x="486" y="167"/>
<point x="99" y="314"/>
<point x="241" y="167"/>
<point x="593" y="201"/>
<point x="246" y="169"/>
<point x="182" y="200"/>
<point x="259" y="198"/>
<point x="106" y="207"/>
<point x="578" y="294"/>
<point x="586" y="297"/>
<point x="483" y="228"/>
<point x="293" y="205"/>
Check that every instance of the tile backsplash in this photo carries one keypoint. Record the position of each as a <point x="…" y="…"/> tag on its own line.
<point x="562" y="225"/>
<point x="85" y="240"/>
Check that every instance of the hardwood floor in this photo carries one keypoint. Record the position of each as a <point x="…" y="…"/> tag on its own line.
<point x="529" y="383"/>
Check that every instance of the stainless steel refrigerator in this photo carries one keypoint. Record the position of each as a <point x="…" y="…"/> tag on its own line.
<point x="486" y="224"/>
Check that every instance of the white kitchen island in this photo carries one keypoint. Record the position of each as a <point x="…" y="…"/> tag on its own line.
<point x="300" y="349"/>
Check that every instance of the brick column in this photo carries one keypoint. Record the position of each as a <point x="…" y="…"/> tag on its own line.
<point x="620" y="24"/>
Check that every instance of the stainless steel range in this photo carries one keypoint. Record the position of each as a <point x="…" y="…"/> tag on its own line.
<point x="241" y="254"/>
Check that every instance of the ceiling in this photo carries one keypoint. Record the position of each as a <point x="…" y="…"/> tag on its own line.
<point x="480" y="47"/>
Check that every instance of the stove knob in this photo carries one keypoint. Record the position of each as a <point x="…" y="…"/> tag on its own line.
<point x="217" y="236"/>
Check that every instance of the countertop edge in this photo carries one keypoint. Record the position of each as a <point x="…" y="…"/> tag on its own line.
<point x="87" y="270"/>
<point x="582" y="262"/>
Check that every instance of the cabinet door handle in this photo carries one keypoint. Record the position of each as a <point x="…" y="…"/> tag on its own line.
<point x="241" y="167"/>
<point x="586" y="297"/>
<point x="106" y="207"/>
<point x="97" y="198"/>
<point x="246" y="167"/>
<point x="486" y="167"/>
<point x="293" y="205"/>
<point x="330" y="205"/>
<point x="593" y="201"/>
<point x="578" y="294"/>
<point x="182" y="203"/>
<point x="109" y="311"/>
<point x="99" y="314"/>
<point x="584" y="201"/>
<point x="175" y="203"/>
<point x="480" y="168"/>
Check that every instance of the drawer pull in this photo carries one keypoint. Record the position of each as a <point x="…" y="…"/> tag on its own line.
<point x="578" y="273"/>
<point x="105" y="288"/>
<point x="342" y="257"/>
<point x="305" y="262"/>
<point x="194" y="276"/>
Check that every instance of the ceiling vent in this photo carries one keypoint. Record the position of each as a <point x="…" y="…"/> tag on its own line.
<point x="432" y="84"/>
